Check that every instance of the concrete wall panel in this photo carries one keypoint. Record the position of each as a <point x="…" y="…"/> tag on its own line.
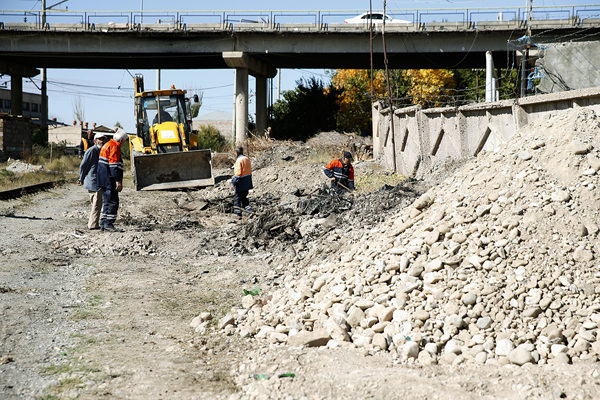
<point x="424" y="138"/>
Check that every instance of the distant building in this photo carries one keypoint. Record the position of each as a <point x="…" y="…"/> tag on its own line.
<point x="71" y="135"/>
<point x="32" y="104"/>
<point x="219" y="119"/>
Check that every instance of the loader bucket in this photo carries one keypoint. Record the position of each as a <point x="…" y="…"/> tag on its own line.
<point x="184" y="169"/>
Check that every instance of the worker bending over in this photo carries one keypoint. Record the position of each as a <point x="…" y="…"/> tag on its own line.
<point x="341" y="173"/>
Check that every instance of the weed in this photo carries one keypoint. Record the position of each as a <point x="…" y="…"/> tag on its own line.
<point x="57" y="369"/>
<point x="85" y="340"/>
<point x="369" y="183"/>
<point x="95" y="300"/>
<point x="213" y="301"/>
<point x="47" y="397"/>
<point x="67" y="384"/>
<point x="322" y="156"/>
<point x="62" y="165"/>
<point x="81" y="314"/>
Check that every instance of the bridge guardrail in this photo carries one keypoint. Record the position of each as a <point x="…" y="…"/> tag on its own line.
<point x="293" y="27"/>
<point x="556" y="17"/>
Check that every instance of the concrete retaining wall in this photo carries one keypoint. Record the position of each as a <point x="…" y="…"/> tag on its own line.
<point x="425" y="137"/>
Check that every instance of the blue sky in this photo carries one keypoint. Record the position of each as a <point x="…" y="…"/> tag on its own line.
<point x="107" y="95"/>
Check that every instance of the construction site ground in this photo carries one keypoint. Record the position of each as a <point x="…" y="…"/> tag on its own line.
<point x="93" y="315"/>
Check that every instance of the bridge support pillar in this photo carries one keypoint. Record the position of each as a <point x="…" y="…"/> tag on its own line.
<point x="245" y="65"/>
<point x="241" y="105"/>
<point x="16" y="95"/>
<point x="261" y="104"/>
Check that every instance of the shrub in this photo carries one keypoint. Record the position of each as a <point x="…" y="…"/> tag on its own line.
<point x="210" y="138"/>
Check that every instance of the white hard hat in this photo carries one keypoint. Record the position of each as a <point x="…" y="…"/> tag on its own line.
<point x="98" y="135"/>
<point x="120" y="135"/>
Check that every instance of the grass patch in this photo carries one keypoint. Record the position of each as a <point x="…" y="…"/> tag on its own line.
<point x="10" y="180"/>
<point x="217" y="302"/>
<point x="369" y="183"/>
<point x="85" y="340"/>
<point x="95" y="300"/>
<point x="89" y="311"/>
<point x="62" y="165"/>
<point x="69" y="369"/>
<point x="57" y="369"/>
<point x="322" y="155"/>
<point x="68" y="384"/>
<point x="82" y="314"/>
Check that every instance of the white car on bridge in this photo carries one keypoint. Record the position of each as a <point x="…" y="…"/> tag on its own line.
<point x="377" y="19"/>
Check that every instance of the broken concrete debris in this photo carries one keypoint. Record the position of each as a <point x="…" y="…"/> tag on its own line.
<point x="498" y="264"/>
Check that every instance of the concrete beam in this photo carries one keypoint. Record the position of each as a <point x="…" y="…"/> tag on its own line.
<point x="15" y="69"/>
<point x="239" y="59"/>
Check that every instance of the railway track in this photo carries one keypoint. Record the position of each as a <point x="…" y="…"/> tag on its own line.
<point x="31" y="189"/>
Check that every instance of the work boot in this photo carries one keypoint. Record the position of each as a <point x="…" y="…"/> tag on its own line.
<point x="249" y="209"/>
<point x="111" y="229"/>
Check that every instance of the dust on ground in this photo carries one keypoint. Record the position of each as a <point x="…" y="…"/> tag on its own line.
<point x="89" y="315"/>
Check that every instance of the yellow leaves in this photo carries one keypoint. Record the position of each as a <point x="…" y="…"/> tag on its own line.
<point x="432" y="86"/>
<point x="357" y="82"/>
<point x="354" y="102"/>
<point x="429" y="87"/>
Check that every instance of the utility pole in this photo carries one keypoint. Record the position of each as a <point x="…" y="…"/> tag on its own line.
<point x="525" y="54"/>
<point x="44" y="116"/>
<point x="389" y="90"/>
<point x="371" y="42"/>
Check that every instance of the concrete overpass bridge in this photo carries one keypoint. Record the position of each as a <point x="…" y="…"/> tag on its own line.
<point x="259" y="42"/>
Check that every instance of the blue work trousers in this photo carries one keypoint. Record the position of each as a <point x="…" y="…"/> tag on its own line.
<point x="111" y="205"/>
<point x="240" y="199"/>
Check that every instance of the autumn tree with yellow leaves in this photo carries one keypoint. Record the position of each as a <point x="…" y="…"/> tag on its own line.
<point x="431" y="87"/>
<point x="354" y="113"/>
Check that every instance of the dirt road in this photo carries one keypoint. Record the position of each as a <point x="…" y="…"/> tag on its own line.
<point x="91" y="315"/>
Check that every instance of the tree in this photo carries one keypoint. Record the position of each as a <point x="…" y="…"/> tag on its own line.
<point x="354" y="101"/>
<point x="470" y="86"/>
<point x="78" y="109"/>
<point x="431" y="87"/>
<point x="304" y="111"/>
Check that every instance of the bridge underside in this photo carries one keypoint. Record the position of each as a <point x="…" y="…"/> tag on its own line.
<point x="251" y="53"/>
<point x="280" y="60"/>
<point x="166" y="50"/>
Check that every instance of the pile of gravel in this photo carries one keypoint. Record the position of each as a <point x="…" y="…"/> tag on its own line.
<point x="496" y="265"/>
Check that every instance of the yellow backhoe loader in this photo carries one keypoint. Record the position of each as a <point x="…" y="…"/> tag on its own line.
<point x="164" y="150"/>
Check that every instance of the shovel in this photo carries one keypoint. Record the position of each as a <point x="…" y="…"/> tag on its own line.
<point x="343" y="187"/>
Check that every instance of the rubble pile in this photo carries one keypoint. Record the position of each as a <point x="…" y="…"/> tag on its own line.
<point x="20" y="167"/>
<point x="498" y="264"/>
<point x="301" y="218"/>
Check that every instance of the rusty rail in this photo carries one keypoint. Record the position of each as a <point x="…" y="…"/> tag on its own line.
<point x="31" y="189"/>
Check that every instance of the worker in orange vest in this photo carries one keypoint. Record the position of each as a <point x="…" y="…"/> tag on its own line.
<point x="86" y="143"/>
<point x="242" y="182"/>
<point x="110" y="179"/>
